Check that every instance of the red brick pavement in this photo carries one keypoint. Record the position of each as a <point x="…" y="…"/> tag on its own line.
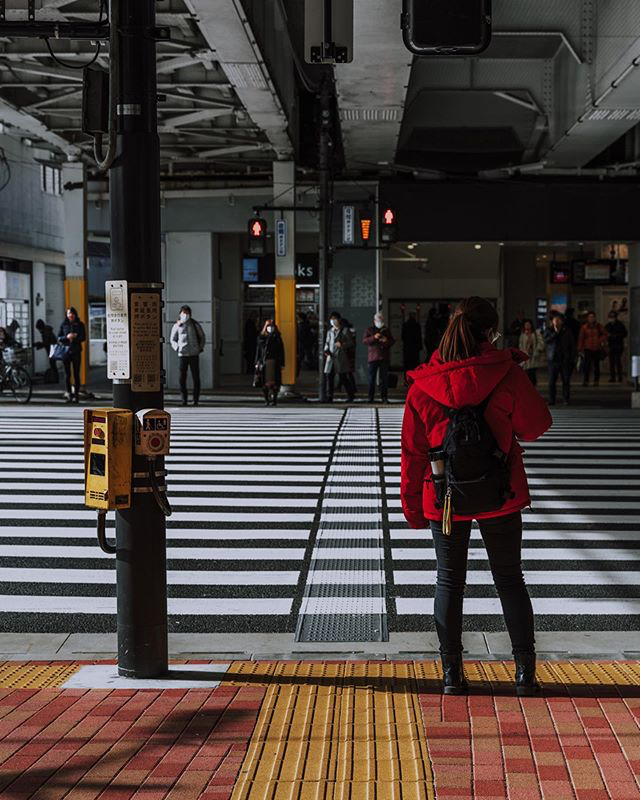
<point x="570" y="743"/>
<point x="124" y="744"/>
<point x="577" y="741"/>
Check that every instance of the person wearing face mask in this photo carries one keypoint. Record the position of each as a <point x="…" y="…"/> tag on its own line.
<point x="379" y="341"/>
<point x="188" y="340"/>
<point x="337" y="350"/>
<point x="270" y="361"/>
<point x="616" y="334"/>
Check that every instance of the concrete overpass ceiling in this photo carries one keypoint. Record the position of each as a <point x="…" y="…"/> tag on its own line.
<point x="557" y="88"/>
<point x="220" y="109"/>
<point x="568" y="87"/>
<point x="371" y="90"/>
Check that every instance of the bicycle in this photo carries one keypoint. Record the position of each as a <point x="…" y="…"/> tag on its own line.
<point x="14" y="378"/>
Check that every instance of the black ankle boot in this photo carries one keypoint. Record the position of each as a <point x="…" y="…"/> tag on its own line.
<point x="526" y="683"/>
<point x="453" y="680"/>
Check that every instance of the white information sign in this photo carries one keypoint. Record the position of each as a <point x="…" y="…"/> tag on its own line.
<point x="348" y="225"/>
<point x="281" y="238"/>
<point x="118" y="356"/>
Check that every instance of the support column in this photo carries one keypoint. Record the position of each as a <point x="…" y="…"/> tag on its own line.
<point x="141" y="567"/>
<point x="324" y="246"/>
<point x="284" y="194"/>
<point x="75" y="251"/>
<point x="634" y="311"/>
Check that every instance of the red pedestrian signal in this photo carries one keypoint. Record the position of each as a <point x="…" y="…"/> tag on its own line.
<point x="388" y="231"/>
<point x="257" y="236"/>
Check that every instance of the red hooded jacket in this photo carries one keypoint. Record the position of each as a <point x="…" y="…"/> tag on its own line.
<point x="515" y="411"/>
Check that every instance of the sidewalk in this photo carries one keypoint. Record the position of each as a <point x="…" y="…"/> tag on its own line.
<point x="315" y="730"/>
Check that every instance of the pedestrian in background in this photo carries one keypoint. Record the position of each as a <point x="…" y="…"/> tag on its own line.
<point x="305" y="343"/>
<point x="468" y="371"/>
<point x="561" y="357"/>
<point x="616" y="334"/>
<point x="572" y="323"/>
<point x="250" y="341"/>
<point x="379" y="341"/>
<point x="269" y="362"/>
<point x="532" y="345"/>
<point x="71" y="335"/>
<point x="591" y="344"/>
<point x="411" y="343"/>
<point x="432" y="333"/>
<point x="337" y="351"/>
<point x="48" y="344"/>
<point x="188" y="340"/>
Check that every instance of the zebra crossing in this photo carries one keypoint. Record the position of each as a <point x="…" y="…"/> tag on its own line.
<point x="289" y="520"/>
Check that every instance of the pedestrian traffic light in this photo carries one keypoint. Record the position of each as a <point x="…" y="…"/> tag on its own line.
<point x="366" y="224"/>
<point x="446" y="27"/>
<point x="257" y="236"/>
<point x="388" y="231"/>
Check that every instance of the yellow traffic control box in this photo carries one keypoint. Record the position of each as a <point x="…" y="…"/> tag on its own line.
<point x="108" y="448"/>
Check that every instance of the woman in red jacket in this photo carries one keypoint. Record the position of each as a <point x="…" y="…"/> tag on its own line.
<point x="468" y="371"/>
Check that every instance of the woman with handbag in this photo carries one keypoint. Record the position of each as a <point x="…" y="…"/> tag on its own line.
<point x="269" y="362"/>
<point x="532" y="344"/>
<point x="71" y="335"/>
<point x="466" y="409"/>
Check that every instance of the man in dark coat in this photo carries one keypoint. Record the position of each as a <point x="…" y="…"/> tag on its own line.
<point x="616" y="334"/>
<point x="561" y="357"/>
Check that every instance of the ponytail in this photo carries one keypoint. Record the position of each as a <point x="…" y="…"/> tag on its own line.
<point x="467" y="329"/>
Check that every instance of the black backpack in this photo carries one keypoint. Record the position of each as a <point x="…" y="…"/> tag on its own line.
<point x="476" y="474"/>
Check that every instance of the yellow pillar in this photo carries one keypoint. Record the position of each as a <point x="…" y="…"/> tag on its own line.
<point x="286" y="322"/>
<point x="75" y="246"/>
<point x="284" y="192"/>
<point x="75" y="294"/>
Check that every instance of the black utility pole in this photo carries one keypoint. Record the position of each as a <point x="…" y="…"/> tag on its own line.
<point x="324" y="251"/>
<point x="135" y="254"/>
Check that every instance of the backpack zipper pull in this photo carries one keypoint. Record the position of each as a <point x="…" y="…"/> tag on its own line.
<point x="446" y="517"/>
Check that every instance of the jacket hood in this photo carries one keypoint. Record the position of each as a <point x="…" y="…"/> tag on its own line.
<point x="456" y="384"/>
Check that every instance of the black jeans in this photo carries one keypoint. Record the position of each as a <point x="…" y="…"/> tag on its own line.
<point x="503" y="539"/>
<point x="72" y="362"/>
<point x="556" y="371"/>
<point x="194" y="363"/>
<point x="615" y="365"/>
<point x="592" y="359"/>
<point x="375" y="367"/>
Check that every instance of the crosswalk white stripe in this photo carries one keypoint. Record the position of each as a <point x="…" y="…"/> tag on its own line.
<point x="549" y="577"/>
<point x="174" y="577"/>
<point x="187" y="553"/>
<point x="181" y="606"/>
<point x="532" y="534"/>
<point x="561" y="518"/>
<point x="274" y="503"/>
<point x="250" y="515"/>
<point x="541" y="605"/>
<point x="173" y="534"/>
<point x="554" y="554"/>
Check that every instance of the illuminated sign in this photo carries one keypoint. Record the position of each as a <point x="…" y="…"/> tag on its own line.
<point x="365" y="228"/>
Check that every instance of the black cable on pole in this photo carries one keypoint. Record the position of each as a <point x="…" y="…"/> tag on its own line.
<point x="86" y="64"/>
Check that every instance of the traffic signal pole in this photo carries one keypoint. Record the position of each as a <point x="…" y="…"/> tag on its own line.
<point x="324" y="250"/>
<point x="135" y="255"/>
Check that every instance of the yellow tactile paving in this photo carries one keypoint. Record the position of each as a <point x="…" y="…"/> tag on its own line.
<point x="18" y="675"/>
<point x="335" y="731"/>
